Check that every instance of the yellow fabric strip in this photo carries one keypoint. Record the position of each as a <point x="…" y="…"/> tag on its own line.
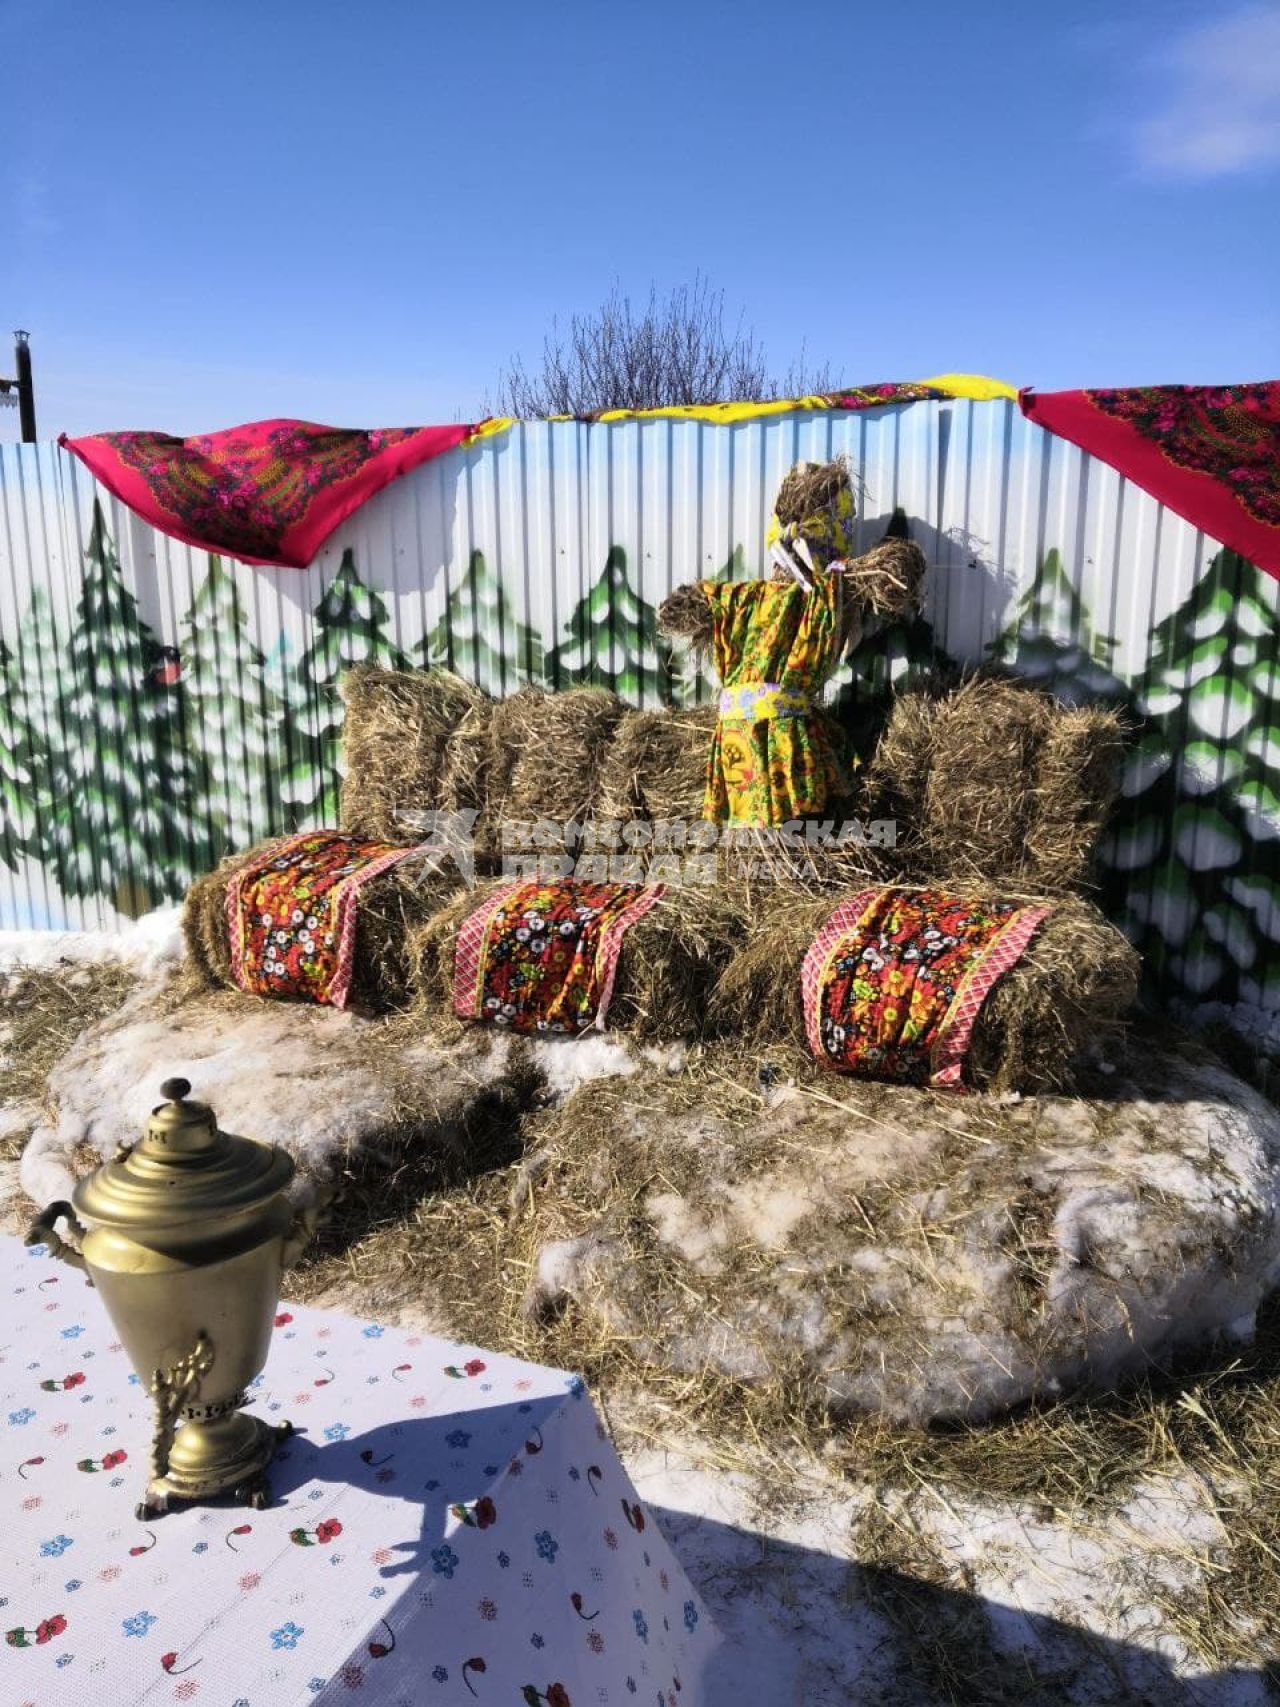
<point x="976" y="387"/>
<point x="973" y="386"/>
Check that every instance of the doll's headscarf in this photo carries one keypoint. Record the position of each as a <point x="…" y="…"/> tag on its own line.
<point x="827" y="531"/>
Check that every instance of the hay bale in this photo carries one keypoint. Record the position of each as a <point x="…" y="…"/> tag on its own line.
<point x="545" y="755"/>
<point x="1077" y="782"/>
<point x="667" y="969"/>
<point x="994" y="782"/>
<point x="204" y="917"/>
<point x="1068" y="994"/>
<point x="655" y="767"/>
<point x="979" y="796"/>
<point x="395" y="739"/>
<point x="390" y="909"/>
<point x="1070" y="991"/>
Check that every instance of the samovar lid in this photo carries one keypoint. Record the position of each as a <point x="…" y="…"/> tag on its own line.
<point x="183" y="1169"/>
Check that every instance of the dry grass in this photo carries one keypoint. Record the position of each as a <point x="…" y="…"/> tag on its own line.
<point x="810" y="487"/>
<point x="391" y="908"/>
<point x="1071" y="990"/>
<point x="42" y="1012"/>
<point x="685" y="614"/>
<point x="886" y="581"/>
<point x="1077" y="781"/>
<point x="979" y="798"/>
<point x="396" y="738"/>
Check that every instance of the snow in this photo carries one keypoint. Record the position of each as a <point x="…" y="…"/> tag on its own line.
<point x="778" y="1568"/>
<point x="566" y="1063"/>
<point x="151" y="945"/>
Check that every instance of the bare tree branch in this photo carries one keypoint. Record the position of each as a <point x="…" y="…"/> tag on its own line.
<point x="672" y="351"/>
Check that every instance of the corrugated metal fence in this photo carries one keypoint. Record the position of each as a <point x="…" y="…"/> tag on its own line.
<point x="542" y="554"/>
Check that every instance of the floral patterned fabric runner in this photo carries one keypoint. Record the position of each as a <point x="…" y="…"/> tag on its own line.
<point x="894" y="981"/>
<point x="449" y="1527"/>
<point x="1210" y="452"/>
<point x="542" y="957"/>
<point x="267" y="492"/>
<point x="291" y="915"/>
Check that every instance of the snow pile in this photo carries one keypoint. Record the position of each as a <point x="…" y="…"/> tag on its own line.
<point x="152" y="945"/>
<point x="324" y="1084"/>
<point x="894" y="1253"/>
<point x="318" y="1082"/>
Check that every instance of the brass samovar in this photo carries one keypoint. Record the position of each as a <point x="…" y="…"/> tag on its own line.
<point x="185" y="1235"/>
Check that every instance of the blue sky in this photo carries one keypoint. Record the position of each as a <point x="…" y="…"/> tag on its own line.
<point x="357" y="212"/>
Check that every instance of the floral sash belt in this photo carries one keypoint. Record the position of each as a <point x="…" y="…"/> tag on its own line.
<point x="756" y="702"/>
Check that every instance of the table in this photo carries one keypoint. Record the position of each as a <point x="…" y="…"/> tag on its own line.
<point x="449" y="1528"/>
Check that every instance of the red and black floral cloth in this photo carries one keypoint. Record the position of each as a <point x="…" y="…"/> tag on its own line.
<point x="291" y="915"/>
<point x="542" y="957"/>
<point x="1210" y="452"/>
<point x="894" y="981"/>
<point x="267" y="492"/>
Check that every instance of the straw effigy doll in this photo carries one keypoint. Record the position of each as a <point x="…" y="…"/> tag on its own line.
<point x="777" y="642"/>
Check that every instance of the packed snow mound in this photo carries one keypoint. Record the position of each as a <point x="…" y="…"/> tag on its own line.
<point x="328" y="1086"/>
<point x="325" y="1085"/>
<point x="892" y="1251"/>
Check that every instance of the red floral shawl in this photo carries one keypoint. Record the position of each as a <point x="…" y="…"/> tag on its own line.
<point x="1210" y="452"/>
<point x="542" y="957"/>
<point x="267" y="492"/>
<point x="291" y="915"/>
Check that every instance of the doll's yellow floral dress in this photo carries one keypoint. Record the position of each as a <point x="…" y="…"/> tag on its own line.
<point x="771" y="757"/>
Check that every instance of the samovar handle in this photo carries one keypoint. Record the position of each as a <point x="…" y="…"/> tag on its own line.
<point x="43" y="1232"/>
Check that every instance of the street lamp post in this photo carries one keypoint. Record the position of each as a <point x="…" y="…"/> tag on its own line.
<point x="20" y="389"/>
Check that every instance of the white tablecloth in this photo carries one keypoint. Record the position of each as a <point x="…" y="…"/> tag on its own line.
<point x="451" y="1527"/>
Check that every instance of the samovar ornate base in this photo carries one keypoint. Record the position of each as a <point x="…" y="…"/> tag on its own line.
<point x="220" y="1455"/>
<point x="200" y="1451"/>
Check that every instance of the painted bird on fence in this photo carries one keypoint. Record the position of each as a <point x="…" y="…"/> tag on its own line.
<point x="167" y="669"/>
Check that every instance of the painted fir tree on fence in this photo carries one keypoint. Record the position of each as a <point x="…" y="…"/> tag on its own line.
<point x="17" y="815"/>
<point x="118" y="823"/>
<point x="233" y="721"/>
<point x="352" y="626"/>
<point x="1051" y="640"/>
<point x="1194" y="856"/>
<point x="613" y="642"/>
<point x="32" y="683"/>
<point x="481" y="638"/>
